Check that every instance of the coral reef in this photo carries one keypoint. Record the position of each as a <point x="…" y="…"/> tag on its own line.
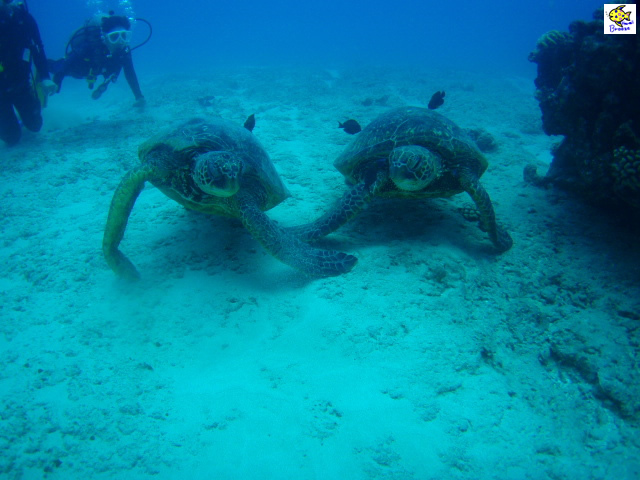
<point x="587" y="90"/>
<point x="626" y="174"/>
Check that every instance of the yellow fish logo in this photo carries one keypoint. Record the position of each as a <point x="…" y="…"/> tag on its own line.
<point x="617" y="15"/>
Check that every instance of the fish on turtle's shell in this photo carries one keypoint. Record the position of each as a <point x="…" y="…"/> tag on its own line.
<point x="437" y="99"/>
<point x="409" y="152"/>
<point x="250" y="122"/>
<point x="220" y="168"/>
<point x="351" y="126"/>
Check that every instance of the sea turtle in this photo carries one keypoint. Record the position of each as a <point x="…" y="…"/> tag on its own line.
<point x="409" y="152"/>
<point x="215" y="167"/>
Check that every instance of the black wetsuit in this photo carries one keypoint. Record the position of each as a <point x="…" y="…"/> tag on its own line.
<point x="90" y="57"/>
<point x="19" y="44"/>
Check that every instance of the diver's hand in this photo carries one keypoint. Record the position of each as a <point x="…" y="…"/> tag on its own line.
<point x="48" y="87"/>
<point x="140" y="103"/>
<point x="97" y="93"/>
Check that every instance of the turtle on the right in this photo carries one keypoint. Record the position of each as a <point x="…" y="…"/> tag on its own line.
<point x="409" y="152"/>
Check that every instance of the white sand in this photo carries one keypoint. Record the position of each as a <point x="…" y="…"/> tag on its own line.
<point x="433" y="359"/>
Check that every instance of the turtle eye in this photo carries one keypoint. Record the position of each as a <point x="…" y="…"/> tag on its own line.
<point x="414" y="162"/>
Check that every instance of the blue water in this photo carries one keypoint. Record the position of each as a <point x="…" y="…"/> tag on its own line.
<point x="195" y="35"/>
<point x="434" y="358"/>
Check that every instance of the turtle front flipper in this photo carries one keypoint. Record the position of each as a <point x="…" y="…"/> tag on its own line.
<point x="289" y="249"/>
<point x="498" y="235"/>
<point x="350" y="205"/>
<point x="121" y="204"/>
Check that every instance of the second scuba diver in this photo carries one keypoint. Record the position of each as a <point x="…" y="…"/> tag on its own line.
<point x="102" y="47"/>
<point x="20" y="50"/>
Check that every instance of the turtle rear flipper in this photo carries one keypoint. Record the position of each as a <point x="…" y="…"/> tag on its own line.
<point x="350" y="205"/>
<point x="289" y="249"/>
<point x="498" y="235"/>
<point x="121" y="205"/>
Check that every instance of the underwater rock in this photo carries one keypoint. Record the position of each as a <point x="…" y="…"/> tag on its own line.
<point x="587" y="91"/>
<point x="381" y="101"/>
<point x="531" y="175"/>
<point x="484" y="140"/>
<point x="206" y="101"/>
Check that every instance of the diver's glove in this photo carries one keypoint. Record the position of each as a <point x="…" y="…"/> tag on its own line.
<point x="97" y="93"/>
<point x="48" y="87"/>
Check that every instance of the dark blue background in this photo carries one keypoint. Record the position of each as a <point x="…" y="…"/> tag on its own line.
<point x="495" y="36"/>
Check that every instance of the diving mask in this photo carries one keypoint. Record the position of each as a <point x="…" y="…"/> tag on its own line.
<point x="118" y="37"/>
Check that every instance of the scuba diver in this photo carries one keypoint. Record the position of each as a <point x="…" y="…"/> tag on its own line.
<point x="20" y="87"/>
<point x="101" y="47"/>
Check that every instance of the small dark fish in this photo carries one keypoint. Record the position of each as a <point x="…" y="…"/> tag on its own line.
<point x="436" y="100"/>
<point x="250" y="122"/>
<point x="350" y="126"/>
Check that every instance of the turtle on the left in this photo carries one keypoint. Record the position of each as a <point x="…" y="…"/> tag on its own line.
<point x="217" y="167"/>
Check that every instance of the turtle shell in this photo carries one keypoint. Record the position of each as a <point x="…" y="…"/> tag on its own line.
<point x="172" y="154"/>
<point x="413" y="126"/>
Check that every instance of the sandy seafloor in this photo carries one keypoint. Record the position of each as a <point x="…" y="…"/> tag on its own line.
<point x="433" y="359"/>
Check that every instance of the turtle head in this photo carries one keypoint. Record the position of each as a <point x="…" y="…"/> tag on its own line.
<point x="413" y="168"/>
<point x="218" y="173"/>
